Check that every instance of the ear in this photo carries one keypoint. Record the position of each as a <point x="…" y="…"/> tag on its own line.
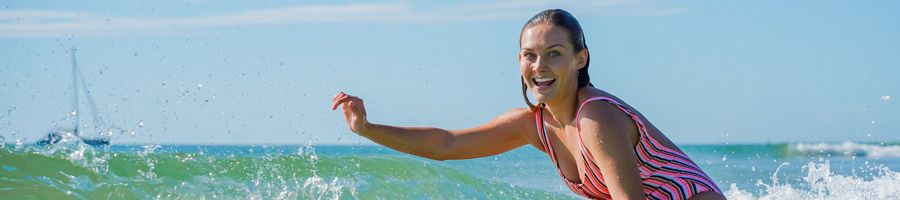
<point x="519" y="57"/>
<point x="582" y="58"/>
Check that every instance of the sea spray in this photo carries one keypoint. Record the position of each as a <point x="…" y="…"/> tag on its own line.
<point x="821" y="183"/>
<point x="244" y="172"/>
<point x="73" y="170"/>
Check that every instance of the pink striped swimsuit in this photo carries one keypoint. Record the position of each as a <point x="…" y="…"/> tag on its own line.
<point x="665" y="173"/>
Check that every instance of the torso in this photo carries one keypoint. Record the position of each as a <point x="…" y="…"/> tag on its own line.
<point x="665" y="171"/>
<point x="565" y="137"/>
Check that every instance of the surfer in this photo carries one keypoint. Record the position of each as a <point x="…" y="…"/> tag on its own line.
<point x="602" y="147"/>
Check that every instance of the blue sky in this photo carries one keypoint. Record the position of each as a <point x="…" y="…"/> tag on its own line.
<point x="234" y="72"/>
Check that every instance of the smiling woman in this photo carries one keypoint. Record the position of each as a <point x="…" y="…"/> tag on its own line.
<point x="602" y="147"/>
<point x="727" y="81"/>
<point x="574" y="34"/>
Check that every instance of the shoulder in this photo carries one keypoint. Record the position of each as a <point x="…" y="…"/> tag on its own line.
<point x="518" y="114"/>
<point x="520" y="111"/>
<point x="603" y="113"/>
<point x="600" y="112"/>
<point x="600" y="121"/>
<point x="516" y="117"/>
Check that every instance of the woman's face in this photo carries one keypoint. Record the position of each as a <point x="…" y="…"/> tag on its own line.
<point x="549" y="63"/>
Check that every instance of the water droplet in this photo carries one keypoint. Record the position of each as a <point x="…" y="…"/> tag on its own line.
<point x="725" y="157"/>
<point x="199" y="86"/>
<point x="135" y="53"/>
<point x="885" y="98"/>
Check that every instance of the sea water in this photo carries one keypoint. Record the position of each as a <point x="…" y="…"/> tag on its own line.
<point x="73" y="170"/>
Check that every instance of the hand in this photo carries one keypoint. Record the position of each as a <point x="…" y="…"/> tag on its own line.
<point x="354" y="111"/>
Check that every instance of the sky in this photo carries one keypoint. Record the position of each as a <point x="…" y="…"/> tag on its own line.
<point x="264" y="72"/>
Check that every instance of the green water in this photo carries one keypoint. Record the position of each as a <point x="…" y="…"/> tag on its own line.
<point x="743" y="171"/>
<point x="87" y="173"/>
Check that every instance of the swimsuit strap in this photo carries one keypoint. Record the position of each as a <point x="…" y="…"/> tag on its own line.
<point x="665" y="173"/>
<point x="545" y="140"/>
<point x="642" y="128"/>
<point x="652" y="154"/>
<point x="637" y="120"/>
<point x="578" y="188"/>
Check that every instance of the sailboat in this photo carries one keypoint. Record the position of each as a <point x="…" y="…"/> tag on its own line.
<point x="58" y="136"/>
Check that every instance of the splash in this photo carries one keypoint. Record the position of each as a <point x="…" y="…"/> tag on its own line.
<point x="234" y="172"/>
<point x="821" y="183"/>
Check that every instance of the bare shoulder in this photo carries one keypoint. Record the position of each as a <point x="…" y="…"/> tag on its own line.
<point x="608" y="135"/>
<point x="515" y="117"/>
<point x="602" y="122"/>
<point x="517" y="120"/>
<point x="518" y="113"/>
<point x="520" y="121"/>
<point x="604" y="115"/>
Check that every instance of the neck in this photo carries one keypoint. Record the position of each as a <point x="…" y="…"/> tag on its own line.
<point x="564" y="108"/>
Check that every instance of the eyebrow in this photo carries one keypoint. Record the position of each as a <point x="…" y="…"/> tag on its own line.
<point x="550" y="47"/>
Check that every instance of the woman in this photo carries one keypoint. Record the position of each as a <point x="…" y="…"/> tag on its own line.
<point x="602" y="147"/>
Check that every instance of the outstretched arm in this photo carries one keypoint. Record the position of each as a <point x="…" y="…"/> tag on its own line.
<point x="497" y="136"/>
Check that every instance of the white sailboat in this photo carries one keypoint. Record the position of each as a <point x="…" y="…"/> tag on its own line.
<point x="58" y="136"/>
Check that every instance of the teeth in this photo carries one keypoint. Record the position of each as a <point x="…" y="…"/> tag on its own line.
<point x="543" y="79"/>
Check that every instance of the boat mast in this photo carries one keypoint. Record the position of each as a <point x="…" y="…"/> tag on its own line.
<point x="75" y="92"/>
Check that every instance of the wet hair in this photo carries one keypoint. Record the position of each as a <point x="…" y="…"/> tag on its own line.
<point x="561" y="18"/>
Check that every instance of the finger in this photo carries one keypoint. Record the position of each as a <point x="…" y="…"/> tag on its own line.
<point x="354" y="104"/>
<point x="342" y="97"/>
<point x="346" y="108"/>
<point x="336" y="102"/>
<point x="354" y="101"/>
<point x="340" y="101"/>
<point x="336" y="96"/>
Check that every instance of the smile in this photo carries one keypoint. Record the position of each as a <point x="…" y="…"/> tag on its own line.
<point x="543" y="82"/>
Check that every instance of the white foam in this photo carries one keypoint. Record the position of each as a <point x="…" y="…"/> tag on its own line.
<point x="848" y="149"/>
<point x="820" y="183"/>
<point x="320" y="189"/>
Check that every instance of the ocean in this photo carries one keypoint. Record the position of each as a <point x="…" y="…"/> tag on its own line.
<point x="72" y="170"/>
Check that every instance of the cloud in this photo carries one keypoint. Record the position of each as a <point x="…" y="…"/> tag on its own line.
<point x="42" y="23"/>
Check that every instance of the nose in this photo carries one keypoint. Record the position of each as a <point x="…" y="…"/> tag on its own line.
<point x="540" y="63"/>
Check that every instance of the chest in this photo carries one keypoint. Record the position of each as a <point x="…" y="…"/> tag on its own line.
<point x="566" y="147"/>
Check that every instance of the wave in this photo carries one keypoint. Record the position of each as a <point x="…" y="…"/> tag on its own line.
<point x="301" y="172"/>
<point x="880" y="150"/>
<point x="821" y="183"/>
<point x="150" y="172"/>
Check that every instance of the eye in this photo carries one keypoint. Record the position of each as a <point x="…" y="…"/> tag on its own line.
<point x="553" y="53"/>
<point x="529" y="55"/>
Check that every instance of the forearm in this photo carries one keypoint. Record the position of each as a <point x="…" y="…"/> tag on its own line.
<point x="420" y="141"/>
